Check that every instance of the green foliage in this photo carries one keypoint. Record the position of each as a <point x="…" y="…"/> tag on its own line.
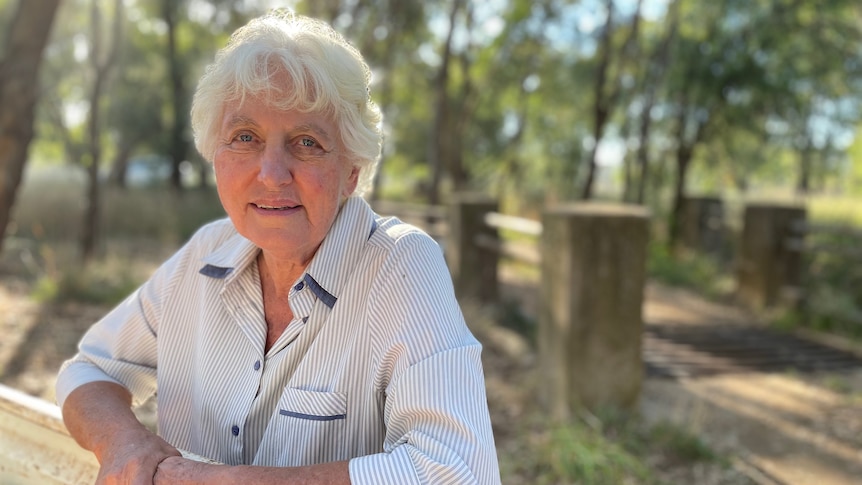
<point x="846" y="211"/>
<point x="612" y="448"/>
<point x="142" y="228"/>
<point x="680" y="444"/>
<point x="520" y="88"/>
<point x="688" y="269"/>
<point x="51" y="202"/>
<point x="104" y="284"/>
<point x="6" y="12"/>
<point x="832" y="280"/>
<point x="577" y="454"/>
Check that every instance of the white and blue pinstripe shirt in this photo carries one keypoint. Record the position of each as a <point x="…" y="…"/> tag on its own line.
<point x="377" y="367"/>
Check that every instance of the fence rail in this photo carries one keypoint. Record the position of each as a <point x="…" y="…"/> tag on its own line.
<point x="35" y="446"/>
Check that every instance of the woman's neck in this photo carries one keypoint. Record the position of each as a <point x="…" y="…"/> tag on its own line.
<point x="278" y="275"/>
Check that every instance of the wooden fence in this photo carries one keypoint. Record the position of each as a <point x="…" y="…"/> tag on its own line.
<point x="779" y="256"/>
<point x="35" y="446"/>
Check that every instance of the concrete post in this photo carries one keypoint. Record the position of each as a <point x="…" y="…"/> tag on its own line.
<point x="469" y="253"/>
<point x="593" y="277"/>
<point x="770" y="260"/>
<point x="702" y="224"/>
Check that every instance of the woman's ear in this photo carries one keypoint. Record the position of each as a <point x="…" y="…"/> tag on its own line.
<point x="352" y="181"/>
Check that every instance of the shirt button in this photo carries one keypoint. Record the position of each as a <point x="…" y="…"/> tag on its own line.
<point x="234" y="430"/>
<point x="299" y="286"/>
<point x="257" y="365"/>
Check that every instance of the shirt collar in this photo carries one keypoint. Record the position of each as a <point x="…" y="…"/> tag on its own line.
<point x="341" y="249"/>
<point x="329" y="268"/>
<point x="230" y="258"/>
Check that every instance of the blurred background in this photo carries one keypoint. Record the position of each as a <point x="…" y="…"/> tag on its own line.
<point x="532" y="103"/>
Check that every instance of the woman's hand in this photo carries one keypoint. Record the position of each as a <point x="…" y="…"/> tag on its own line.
<point x="99" y="416"/>
<point x="133" y="458"/>
<point x="182" y="471"/>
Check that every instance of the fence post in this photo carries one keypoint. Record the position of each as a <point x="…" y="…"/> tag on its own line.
<point x="472" y="263"/>
<point x="590" y="330"/>
<point x="702" y="224"/>
<point x="770" y="259"/>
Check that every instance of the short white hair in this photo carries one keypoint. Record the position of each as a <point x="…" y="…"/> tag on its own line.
<point x="325" y="75"/>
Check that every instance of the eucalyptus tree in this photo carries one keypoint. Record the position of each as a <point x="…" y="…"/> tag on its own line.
<point x="735" y="62"/>
<point x="820" y="69"/>
<point x="608" y="84"/>
<point x="136" y="112"/>
<point x="654" y="48"/>
<point x="26" y="37"/>
<point x="519" y="132"/>
<point x="395" y="38"/>
<point x="102" y="55"/>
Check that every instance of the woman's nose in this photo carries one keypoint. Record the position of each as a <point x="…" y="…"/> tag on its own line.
<point x="275" y="166"/>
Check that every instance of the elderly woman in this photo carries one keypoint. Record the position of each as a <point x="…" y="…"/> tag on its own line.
<point x="303" y="339"/>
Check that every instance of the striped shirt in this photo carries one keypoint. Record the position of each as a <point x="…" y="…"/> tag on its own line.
<point x="377" y="367"/>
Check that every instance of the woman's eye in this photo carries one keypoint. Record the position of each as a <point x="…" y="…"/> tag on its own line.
<point x="245" y="137"/>
<point x="307" y="142"/>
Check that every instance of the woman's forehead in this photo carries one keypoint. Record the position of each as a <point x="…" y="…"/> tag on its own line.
<point x="256" y="111"/>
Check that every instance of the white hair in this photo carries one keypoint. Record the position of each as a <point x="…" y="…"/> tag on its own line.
<point x="325" y="75"/>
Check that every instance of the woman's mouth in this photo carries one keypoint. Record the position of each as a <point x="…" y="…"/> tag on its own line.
<point x="273" y="207"/>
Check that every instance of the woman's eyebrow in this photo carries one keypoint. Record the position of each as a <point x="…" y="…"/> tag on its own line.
<point x="239" y="120"/>
<point x="314" y="128"/>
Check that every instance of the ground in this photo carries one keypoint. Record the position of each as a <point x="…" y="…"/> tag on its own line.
<point x="785" y="427"/>
<point x="781" y="428"/>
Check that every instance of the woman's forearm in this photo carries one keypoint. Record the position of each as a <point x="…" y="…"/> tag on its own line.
<point x="179" y="471"/>
<point x="99" y="416"/>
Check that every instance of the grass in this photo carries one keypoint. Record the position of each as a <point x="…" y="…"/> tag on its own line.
<point x="689" y="269"/>
<point x="596" y="450"/>
<point x="137" y="225"/>
<point x="51" y="203"/>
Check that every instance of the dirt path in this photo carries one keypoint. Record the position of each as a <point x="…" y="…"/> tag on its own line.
<point x="788" y="428"/>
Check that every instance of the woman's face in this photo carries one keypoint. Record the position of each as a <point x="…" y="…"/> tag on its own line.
<point x="281" y="177"/>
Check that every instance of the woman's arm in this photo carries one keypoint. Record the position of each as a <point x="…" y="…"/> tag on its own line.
<point x="99" y="417"/>
<point x="181" y="471"/>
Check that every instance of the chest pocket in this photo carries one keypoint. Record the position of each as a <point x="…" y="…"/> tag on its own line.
<point x="308" y="427"/>
<point x="313" y="405"/>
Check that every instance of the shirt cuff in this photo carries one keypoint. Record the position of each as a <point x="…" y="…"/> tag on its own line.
<point x="394" y="468"/>
<point x="74" y="375"/>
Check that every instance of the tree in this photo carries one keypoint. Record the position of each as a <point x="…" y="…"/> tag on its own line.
<point x="179" y="144"/>
<point x="607" y="92"/>
<point x="25" y="41"/>
<point x="650" y="81"/>
<point x="440" y="90"/>
<point x="102" y="58"/>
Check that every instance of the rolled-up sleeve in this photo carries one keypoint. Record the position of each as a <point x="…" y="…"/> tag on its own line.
<point x="119" y="348"/>
<point x="437" y="426"/>
<point x="122" y="346"/>
<point x="436" y="415"/>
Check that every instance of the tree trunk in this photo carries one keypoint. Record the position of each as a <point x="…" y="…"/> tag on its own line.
<point x="655" y="71"/>
<point x="120" y="165"/>
<point x="179" y="145"/>
<point x="683" y="160"/>
<point x="803" y="185"/>
<point x="684" y="154"/>
<point x="19" y="91"/>
<point x="601" y="102"/>
<point x="437" y="142"/>
<point x="608" y="93"/>
<point x="101" y="65"/>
